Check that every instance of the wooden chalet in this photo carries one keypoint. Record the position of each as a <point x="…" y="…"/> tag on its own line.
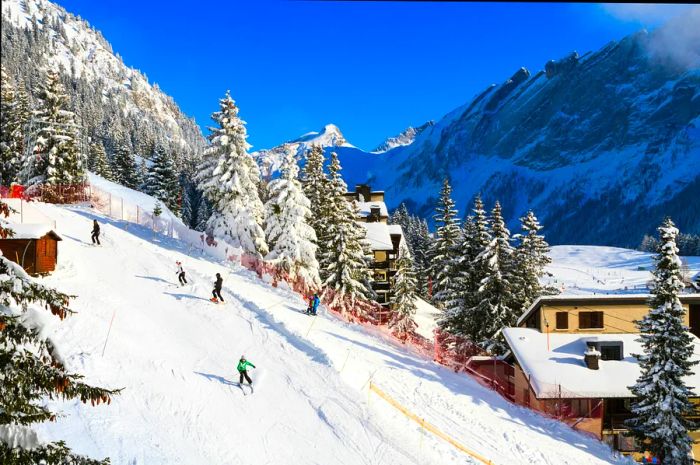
<point x="34" y="247"/>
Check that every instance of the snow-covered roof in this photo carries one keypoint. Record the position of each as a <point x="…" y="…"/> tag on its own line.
<point x="563" y="365"/>
<point x="595" y="299"/>
<point x="395" y="229"/>
<point x="378" y="235"/>
<point x="366" y="208"/>
<point x="32" y="231"/>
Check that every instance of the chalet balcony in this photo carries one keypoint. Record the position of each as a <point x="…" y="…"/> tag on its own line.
<point x="379" y="265"/>
<point x="381" y="286"/>
<point x="616" y="421"/>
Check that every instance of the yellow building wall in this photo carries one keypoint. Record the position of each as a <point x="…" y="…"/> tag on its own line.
<point x="380" y="256"/>
<point x="616" y="318"/>
<point x="376" y="197"/>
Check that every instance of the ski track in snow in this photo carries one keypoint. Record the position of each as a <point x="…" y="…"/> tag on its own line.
<point x="175" y="353"/>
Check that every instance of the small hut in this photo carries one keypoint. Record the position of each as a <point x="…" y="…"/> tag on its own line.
<point x="34" y="247"/>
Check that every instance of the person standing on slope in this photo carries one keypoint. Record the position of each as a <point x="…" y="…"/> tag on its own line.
<point x="313" y="304"/>
<point x="95" y="232"/>
<point x="242" y="368"/>
<point x="217" y="289"/>
<point x="180" y="273"/>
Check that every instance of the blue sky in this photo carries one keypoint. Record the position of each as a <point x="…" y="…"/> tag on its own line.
<point x="372" y="68"/>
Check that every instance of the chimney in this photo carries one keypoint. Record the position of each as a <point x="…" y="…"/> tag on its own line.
<point x="592" y="357"/>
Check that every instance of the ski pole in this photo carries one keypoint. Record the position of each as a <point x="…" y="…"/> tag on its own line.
<point x="109" y="331"/>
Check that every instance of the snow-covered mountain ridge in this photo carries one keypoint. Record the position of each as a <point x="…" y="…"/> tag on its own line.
<point x="602" y="147"/>
<point x="112" y="99"/>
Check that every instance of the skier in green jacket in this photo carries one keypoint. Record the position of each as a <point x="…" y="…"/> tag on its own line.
<point x="242" y="368"/>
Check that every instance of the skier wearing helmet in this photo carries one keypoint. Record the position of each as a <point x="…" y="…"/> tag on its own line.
<point x="242" y="368"/>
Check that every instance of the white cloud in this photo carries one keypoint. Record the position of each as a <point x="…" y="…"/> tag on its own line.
<point x="678" y="41"/>
<point x="646" y="13"/>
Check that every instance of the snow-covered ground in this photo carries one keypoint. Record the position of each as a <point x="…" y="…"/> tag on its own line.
<point x="174" y="353"/>
<point x="584" y="269"/>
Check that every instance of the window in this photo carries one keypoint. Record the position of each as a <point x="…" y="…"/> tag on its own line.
<point x="590" y="320"/>
<point x="562" y="320"/>
<point x="610" y="352"/>
<point x="382" y="298"/>
<point x="380" y="276"/>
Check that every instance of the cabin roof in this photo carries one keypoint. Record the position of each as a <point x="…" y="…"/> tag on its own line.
<point x="596" y="299"/>
<point x="379" y="235"/>
<point x="366" y="208"/>
<point x="32" y="231"/>
<point x="561" y="370"/>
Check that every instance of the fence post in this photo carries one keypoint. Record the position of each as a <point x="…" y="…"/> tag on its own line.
<point x="122" y="208"/>
<point x="110" y="204"/>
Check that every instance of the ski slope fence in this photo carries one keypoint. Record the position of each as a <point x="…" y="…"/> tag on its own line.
<point x="427" y="426"/>
<point x="458" y="354"/>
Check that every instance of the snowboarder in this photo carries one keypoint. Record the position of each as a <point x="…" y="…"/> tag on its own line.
<point x="242" y="368"/>
<point x="217" y="289"/>
<point x="180" y="273"/>
<point x="95" y="232"/>
<point x="313" y="304"/>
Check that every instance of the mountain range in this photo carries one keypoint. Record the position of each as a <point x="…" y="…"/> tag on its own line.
<point x="601" y="146"/>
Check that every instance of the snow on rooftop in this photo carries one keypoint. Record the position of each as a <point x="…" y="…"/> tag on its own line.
<point x="378" y="236"/>
<point x="31" y="231"/>
<point x="366" y="208"/>
<point x="563" y="365"/>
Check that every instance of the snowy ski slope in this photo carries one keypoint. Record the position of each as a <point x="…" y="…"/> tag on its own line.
<point x="174" y="352"/>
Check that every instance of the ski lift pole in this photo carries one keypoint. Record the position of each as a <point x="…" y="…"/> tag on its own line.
<point x="109" y="331"/>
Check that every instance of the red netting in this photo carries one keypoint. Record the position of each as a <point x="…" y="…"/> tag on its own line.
<point x="49" y="193"/>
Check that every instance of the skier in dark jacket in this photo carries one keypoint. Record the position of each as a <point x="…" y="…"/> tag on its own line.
<point x="95" y="232"/>
<point x="180" y="273"/>
<point x="242" y="368"/>
<point x="217" y="289"/>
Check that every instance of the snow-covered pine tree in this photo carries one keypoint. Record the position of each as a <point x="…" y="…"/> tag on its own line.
<point x="11" y="132"/>
<point x="421" y="247"/>
<point x="162" y="182"/>
<point x="98" y="162"/>
<point x="31" y="370"/>
<point x="157" y="210"/>
<point x="229" y="178"/>
<point x="443" y="253"/>
<point x="495" y="294"/>
<point x="316" y="188"/>
<point x="401" y="217"/>
<point x="457" y="315"/>
<point x="662" y="397"/>
<point x="57" y="158"/>
<point x="291" y="239"/>
<point x="404" y="300"/>
<point x="124" y="167"/>
<point x="529" y="262"/>
<point x="346" y="258"/>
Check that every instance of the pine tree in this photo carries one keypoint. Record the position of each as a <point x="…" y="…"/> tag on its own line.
<point x="404" y="300"/>
<point x="157" y="210"/>
<point x="31" y="370"/>
<point x="229" y="178"/>
<point x="421" y="247"/>
<point x="316" y="188"/>
<point x="289" y="235"/>
<point x="124" y="167"/>
<point x="98" y="162"/>
<point x="495" y="294"/>
<point x="457" y="317"/>
<point x="530" y="259"/>
<point x="11" y="132"/>
<point x="662" y="397"/>
<point x="161" y="181"/>
<point x="57" y="157"/>
<point x="444" y="251"/>
<point x="347" y="253"/>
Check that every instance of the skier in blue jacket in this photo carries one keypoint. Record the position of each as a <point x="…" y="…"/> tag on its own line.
<point x="313" y="304"/>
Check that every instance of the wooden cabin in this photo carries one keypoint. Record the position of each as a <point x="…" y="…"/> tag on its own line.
<point x="573" y="357"/>
<point x="34" y="247"/>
